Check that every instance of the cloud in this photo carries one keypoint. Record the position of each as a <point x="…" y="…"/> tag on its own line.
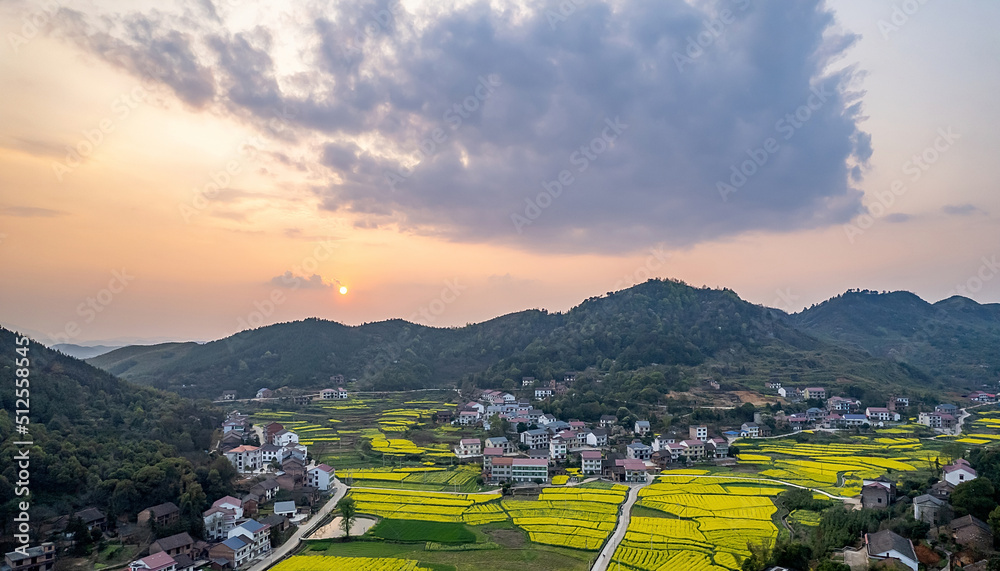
<point x="366" y="88"/>
<point x="30" y="212"/>
<point x="961" y="210"/>
<point x="898" y="218"/>
<point x="292" y="281"/>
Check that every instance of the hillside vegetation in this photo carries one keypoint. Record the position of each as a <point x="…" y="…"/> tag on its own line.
<point x="660" y="334"/>
<point x="953" y="340"/>
<point x="103" y="442"/>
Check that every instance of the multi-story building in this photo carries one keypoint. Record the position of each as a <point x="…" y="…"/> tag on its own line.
<point x="320" y="476"/>
<point x="639" y="451"/>
<point x="818" y="393"/>
<point x="535" y="438"/>
<point x="256" y="534"/>
<point x="557" y="448"/>
<point x="39" y="558"/>
<point x="698" y="433"/>
<point x="246" y="458"/>
<point x="590" y="462"/>
<point x="469" y="447"/>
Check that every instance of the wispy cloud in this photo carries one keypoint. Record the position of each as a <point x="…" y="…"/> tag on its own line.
<point x="30" y="212"/>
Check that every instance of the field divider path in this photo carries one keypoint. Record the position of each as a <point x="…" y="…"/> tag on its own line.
<point x="624" y="518"/>
<point x="772" y="480"/>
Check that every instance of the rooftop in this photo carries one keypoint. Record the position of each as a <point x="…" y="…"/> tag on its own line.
<point x="885" y="541"/>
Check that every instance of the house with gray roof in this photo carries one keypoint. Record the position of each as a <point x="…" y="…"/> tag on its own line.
<point x="886" y="545"/>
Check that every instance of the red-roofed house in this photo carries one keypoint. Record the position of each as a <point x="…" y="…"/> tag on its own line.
<point x="590" y="462"/>
<point x="469" y="447"/>
<point x="958" y="472"/>
<point x="156" y="562"/>
<point x="319" y="477"/>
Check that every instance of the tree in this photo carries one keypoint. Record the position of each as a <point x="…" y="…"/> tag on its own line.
<point x="829" y="565"/>
<point x="348" y="513"/>
<point x="994" y="521"/>
<point x="974" y="497"/>
<point x="760" y="554"/>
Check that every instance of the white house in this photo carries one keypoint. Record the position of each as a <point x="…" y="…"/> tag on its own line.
<point x="557" y="448"/>
<point x="543" y="393"/>
<point x="641" y="427"/>
<point x="880" y="414"/>
<point x="478" y="407"/>
<point x="698" y="433"/>
<point x="468" y="417"/>
<point x="469" y="447"/>
<point x="319" y="477"/>
<point x="246" y="458"/>
<point x="258" y="534"/>
<point x="284" y="437"/>
<point x="960" y="471"/>
<point x="590" y="462"/>
<point x="222" y="516"/>
<point x="597" y="437"/>
<point x="328" y="394"/>
<point x="888" y="545"/>
<point x="750" y="430"/>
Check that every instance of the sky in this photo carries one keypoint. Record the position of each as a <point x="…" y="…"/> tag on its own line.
<point x="187" y="170"/>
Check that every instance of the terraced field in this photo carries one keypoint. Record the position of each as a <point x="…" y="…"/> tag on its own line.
<point x="710" y="521"/>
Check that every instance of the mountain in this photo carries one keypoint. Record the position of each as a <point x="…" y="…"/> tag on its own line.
<point x="954" y="340"/>
<point x="682" y="333"/>
<point x="101" y="441"/>
<point x="82" y="352"/>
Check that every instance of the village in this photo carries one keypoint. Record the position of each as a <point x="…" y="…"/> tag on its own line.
<point x="536" y="450"/>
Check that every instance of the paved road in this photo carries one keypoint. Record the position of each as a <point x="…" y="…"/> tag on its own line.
<point x="284" y="549"/>
<point x="624" y="517"/>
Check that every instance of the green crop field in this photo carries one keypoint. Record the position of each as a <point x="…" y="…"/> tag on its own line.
<point x="407" y="531"/>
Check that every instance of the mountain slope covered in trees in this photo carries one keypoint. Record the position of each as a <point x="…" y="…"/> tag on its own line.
<point x="953" y="340"/>
<point x="682" y="333"/>
<point x="104" y="442"/>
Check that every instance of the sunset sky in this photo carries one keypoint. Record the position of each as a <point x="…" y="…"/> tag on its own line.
<point x="184" y="170"/>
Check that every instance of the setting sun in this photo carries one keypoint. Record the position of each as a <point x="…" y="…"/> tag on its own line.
<point x="343" y="290"/>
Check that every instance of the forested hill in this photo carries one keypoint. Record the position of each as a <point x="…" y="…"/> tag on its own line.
<point x="103" y="442"/>
<point x="955" y="338"/>
<point x="681" y="331"/>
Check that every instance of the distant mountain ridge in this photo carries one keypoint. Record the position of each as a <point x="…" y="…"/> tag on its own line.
<point x="658" y="324"/>
<point x="953" y="339"/>
<point x="83" y="352"/>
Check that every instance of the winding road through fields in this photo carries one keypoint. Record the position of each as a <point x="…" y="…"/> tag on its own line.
<point x="287" y="547"/>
